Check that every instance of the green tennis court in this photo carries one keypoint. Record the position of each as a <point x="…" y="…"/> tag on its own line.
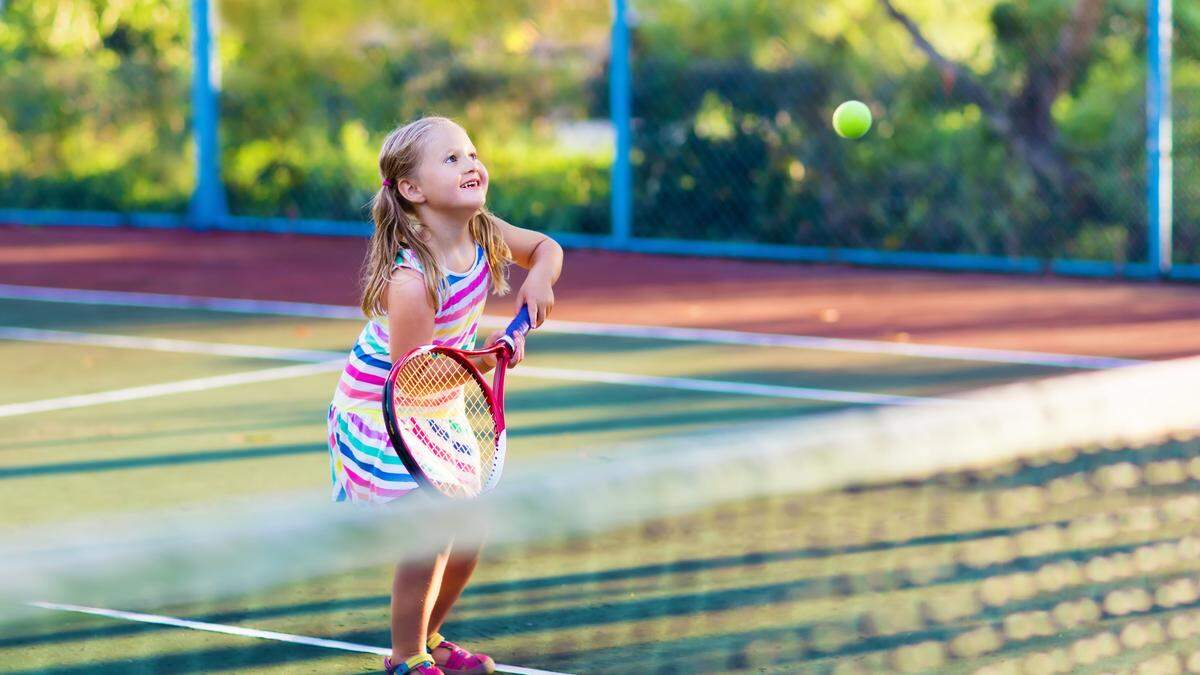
<point x="258" y="438"/>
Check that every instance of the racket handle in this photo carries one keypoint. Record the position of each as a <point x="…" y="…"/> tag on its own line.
<point x="518" y="326"/>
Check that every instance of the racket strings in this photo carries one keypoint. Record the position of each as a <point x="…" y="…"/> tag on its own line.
<point x="445" y="419"/>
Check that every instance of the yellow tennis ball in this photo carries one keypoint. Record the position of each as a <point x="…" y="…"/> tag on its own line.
<point x="852" y="119"/>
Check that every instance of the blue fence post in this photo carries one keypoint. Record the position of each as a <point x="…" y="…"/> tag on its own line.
<point x="620" y="82"/>
<point x="1159" y="179"/>
<point x="208" y="207"/>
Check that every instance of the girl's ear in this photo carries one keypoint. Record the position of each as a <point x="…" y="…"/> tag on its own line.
<point x="410" y="191"/>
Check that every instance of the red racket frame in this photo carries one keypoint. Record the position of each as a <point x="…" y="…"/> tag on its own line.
<point x="493" y="393"/>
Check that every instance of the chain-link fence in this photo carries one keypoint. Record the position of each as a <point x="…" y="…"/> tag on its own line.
<point x="1005" y="131"/>
<point x="1016" y="146"/>
<point x="1187" y="154"/>
<point x="312" y="89"/>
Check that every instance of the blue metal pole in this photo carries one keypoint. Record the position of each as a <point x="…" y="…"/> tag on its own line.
<point x="620" y="81"/>
<point x="1159" y="185"/>
<point x="208" y="206"/>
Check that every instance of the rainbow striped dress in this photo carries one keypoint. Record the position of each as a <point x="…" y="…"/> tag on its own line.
<point x="363" y="464"/>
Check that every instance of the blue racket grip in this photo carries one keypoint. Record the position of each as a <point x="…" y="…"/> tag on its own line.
<point x="518" y="326"/>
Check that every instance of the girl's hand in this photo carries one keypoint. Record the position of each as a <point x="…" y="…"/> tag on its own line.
<point x="489" y="361"/>
<point x="538" y="296"/>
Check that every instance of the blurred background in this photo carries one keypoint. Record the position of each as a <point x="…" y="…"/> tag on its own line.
<point x="1009" y="133"/>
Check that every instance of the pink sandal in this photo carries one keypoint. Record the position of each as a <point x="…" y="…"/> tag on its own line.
<point x="461" y="661"/>
<point x="421" y="664"/>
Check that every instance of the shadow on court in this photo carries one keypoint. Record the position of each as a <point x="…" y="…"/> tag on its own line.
<point x="121" y="463"/>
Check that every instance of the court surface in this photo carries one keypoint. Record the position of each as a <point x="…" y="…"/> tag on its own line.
<point x="114" y="406"/>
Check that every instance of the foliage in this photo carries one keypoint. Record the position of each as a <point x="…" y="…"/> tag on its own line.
<point x="731" y="97"/>
<point x="937" y="173"/>
<point x="92" y="104"/>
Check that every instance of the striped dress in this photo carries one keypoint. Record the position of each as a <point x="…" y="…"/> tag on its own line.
<point x="363" y="464"/>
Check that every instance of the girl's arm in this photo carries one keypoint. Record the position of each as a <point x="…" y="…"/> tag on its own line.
<point x="543" y="257"/>
<point x="410" y="320"/>
<point x="410" y="316"/>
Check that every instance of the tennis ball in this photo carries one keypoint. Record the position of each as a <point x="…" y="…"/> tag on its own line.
<point x="852" y="119"/>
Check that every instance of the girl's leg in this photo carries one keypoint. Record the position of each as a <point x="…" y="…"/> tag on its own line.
<point x="415" y="587"/>
<point x="459" y="567"/>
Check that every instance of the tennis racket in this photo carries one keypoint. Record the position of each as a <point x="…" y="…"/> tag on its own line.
<point x="445" y="421"/>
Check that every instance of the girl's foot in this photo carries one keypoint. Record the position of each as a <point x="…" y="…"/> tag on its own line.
<point x="421" y="664"/>
<point x="454" y="660"/>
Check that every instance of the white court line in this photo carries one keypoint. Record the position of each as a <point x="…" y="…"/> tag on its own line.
<point x="927" y="351"/>
<point x="705" y="335"/>
<point x="169" y="301"/>
<point x="724" y="387"/>
<point x="537" y="372"/>
<point x="150" y="391"/>
<point x="165" y="344"/>
<point x="250" y="632"/>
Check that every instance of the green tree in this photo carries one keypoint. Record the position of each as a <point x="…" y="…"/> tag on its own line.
<point x="1010" y="128"/>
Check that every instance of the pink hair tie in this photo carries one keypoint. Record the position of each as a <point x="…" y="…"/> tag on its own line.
<point x="388" y="183"/>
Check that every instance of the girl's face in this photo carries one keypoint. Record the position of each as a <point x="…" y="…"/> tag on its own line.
<point x="450" y="175"/>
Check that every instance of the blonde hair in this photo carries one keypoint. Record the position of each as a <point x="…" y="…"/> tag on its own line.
<point x="397" y="226"/>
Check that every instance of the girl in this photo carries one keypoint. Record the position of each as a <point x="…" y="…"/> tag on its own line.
<point x="433" y="256"/>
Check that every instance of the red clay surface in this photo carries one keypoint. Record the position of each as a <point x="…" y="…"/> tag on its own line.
<point x="1130" y="319"/>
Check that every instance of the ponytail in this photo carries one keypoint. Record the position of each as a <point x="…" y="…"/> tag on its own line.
<point x="396" y="228"/>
